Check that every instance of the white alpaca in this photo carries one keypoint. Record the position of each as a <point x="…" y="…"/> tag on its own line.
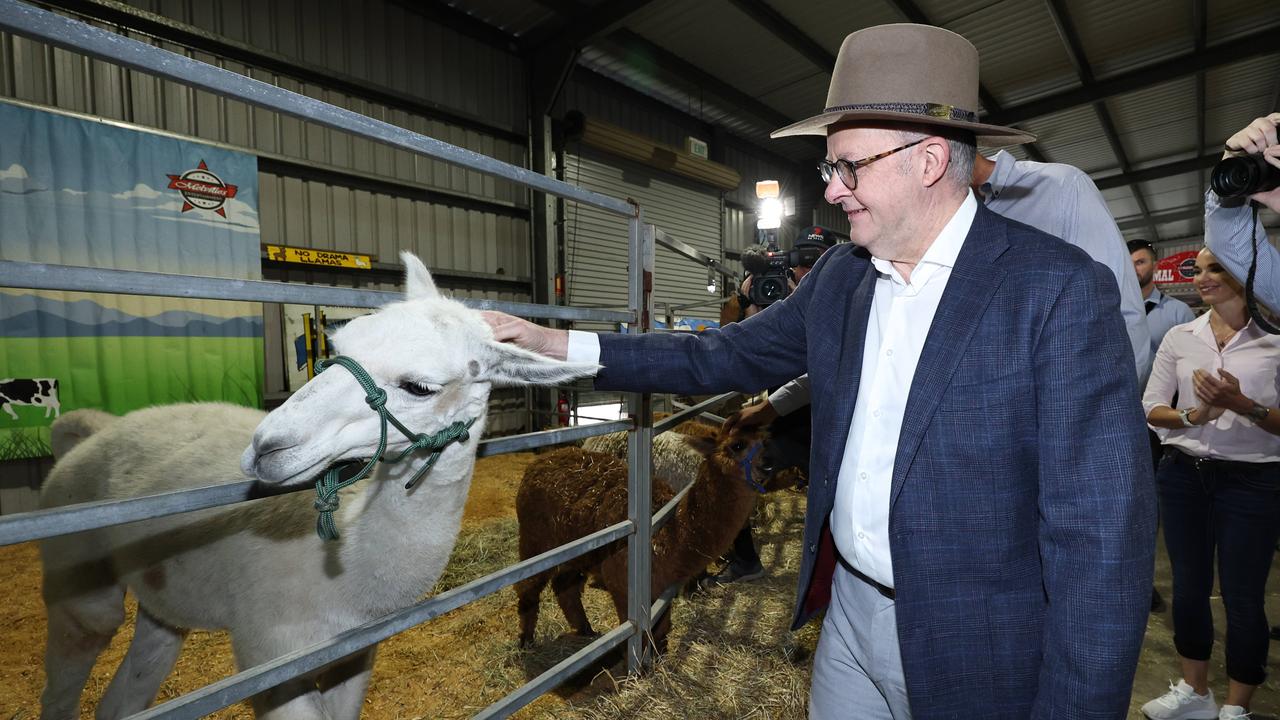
<point x="258" y="569"/>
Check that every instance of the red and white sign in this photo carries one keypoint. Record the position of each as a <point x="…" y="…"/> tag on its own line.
<point x="1176" y="268"/>
<point x="201" y="189"/>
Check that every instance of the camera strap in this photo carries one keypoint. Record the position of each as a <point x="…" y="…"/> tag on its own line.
<point x="1250" y="301"/>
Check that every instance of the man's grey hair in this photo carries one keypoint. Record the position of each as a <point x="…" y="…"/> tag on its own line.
<point x="963" y="149"/>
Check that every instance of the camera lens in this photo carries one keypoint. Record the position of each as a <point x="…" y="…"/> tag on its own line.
<point x="773" y="289"/>
<point x="1244" y="175"/>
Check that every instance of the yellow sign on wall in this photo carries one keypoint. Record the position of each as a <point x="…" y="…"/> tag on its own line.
<point x="328" y="258"/>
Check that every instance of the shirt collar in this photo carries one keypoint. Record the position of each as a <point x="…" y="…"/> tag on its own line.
<point x="945" y="248"/>
<point x="1156" y="296"/>
<point x="1200" y="328"/>
<point x="1000" y="176"/>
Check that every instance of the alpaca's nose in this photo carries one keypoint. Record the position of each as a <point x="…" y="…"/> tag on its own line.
<point x="260" y="449"/>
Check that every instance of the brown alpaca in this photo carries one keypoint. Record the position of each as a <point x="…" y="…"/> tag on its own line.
<point x="571" y="492"/>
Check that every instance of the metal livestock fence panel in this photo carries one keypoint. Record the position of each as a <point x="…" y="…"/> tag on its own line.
<point x="28" y="21"/>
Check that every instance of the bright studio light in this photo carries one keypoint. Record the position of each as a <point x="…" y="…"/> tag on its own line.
<point x="770" y="214"/>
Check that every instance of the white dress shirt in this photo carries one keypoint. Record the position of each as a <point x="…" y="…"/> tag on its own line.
<point x="1252" y="356"/>
<point x="901" y="314"/>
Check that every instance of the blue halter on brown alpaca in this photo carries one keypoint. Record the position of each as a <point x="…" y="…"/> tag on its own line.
<point x="327" y="487"/>
<point x="749" y="472"/>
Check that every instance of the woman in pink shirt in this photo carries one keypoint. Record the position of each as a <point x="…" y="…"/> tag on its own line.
<point x="1219" y="486"/>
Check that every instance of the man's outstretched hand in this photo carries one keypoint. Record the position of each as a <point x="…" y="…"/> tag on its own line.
<point x="757" y="415"/>
<point x="522" y="333"/>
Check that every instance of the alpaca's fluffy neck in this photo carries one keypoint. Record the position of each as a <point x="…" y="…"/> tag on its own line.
<point x="704" y="524"/>
<point x="401" y="539"/>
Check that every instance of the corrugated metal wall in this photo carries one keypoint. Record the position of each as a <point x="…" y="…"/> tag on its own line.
<point x="596" y="242"/>
<point x="326" y="189"/>
<point x="39" y="74"/>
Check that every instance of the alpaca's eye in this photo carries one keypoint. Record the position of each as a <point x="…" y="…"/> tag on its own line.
<point x="737" y="447"/>
<point x="417" y="389"/>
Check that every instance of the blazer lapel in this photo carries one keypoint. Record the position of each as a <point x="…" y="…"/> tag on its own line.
<point x="849" y="368"/>
<point x="973" y="282"/>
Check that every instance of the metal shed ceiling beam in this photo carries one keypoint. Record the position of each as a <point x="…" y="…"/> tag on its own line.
<point x="581" y="25"/>
<point x="1190" y="212"/>
<point x="633" y="44"/>
<point x="1075" y="51"/>
<point x="1177" y="167"/>
<point x="787" y="32"/>
<point x="1242" y="48"/>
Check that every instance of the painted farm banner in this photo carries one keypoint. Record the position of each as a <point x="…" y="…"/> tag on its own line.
<point x="78" y="192"/>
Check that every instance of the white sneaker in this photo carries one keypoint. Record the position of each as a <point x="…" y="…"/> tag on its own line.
<point x="1233" y="712"/>
<point x="1182" y="703"/>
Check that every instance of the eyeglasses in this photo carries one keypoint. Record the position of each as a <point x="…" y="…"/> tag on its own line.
<point x="847" y="170"/>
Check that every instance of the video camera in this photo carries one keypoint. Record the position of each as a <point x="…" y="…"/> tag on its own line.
<point x="770" y="267"/>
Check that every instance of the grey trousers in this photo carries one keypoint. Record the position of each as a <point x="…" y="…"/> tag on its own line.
<point x="857" y="669"/>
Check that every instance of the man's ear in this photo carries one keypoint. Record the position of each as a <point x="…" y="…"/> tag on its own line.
<point x="937" y="157"/>
<point x="418" y="284"/>
<point x="509" y="365"/>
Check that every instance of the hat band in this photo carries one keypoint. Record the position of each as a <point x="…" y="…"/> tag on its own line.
<point x="933" y="110"/>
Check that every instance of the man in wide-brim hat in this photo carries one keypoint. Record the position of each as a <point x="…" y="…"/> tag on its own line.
<point x="992" y="526"/>
<point x="981" y="518"/>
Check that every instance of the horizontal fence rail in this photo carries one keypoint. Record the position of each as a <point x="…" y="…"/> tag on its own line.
<point x="27" y="21"/>
<point x="557" y="674"/>
<point x="688" y="411"/>
<point x="31" y="22"/>
<point x="44" y="276"/>
<point x="40" y="524"/>
<point x="250" y="682"/>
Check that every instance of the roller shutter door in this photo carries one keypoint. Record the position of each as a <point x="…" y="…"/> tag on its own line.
<point x="596" y="242"/>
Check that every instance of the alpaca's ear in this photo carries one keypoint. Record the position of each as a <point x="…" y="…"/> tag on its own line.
<point x="418" y="284"/>
<point x="704" y="445"/>
<point x="510" y="365"/>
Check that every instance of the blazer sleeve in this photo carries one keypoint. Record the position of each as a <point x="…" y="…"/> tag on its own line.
<point x="765" y="350"/>
<point x="1097" y="503"/>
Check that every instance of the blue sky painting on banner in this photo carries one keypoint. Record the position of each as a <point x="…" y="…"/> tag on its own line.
<point x="85" y="193"/>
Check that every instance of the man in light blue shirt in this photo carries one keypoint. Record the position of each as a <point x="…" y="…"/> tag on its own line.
<point x="1063" y="201"/>
<point x="1163" y="312"/>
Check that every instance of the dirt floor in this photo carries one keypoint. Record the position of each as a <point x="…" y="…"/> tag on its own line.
<point x="731" y="655"/>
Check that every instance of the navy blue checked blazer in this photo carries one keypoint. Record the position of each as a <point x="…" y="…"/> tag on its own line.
<point x="1022" y="515"/>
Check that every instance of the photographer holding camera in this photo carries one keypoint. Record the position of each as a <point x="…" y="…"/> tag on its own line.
<point x="771" y="276"/>
<point x="1250" y="171"/>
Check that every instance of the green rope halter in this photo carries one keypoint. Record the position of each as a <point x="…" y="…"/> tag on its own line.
<point x="328" y="486"/>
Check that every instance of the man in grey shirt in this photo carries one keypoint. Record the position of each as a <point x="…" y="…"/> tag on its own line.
<point x="1058" y="199"/>
<point x="1228" y="228"/>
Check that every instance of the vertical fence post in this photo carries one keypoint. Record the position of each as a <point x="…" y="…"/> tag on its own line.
<point x="639" y="455"/>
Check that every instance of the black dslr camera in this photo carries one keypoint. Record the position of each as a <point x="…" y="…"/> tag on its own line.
<point x="1236" y="177"/>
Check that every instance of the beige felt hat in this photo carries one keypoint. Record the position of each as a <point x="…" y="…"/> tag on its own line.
<point x="906" y="73"/>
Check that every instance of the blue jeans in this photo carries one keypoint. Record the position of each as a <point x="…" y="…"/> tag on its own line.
<point x="1232" y="512"/>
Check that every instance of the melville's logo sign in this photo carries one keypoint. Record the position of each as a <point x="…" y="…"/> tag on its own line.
<point x="201" y="189"/>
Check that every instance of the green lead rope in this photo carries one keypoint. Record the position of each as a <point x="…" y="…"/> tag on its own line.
<point x="328" y="486"/>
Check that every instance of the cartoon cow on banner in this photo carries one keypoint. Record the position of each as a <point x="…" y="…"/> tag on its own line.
<point x="41" y="392"/>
